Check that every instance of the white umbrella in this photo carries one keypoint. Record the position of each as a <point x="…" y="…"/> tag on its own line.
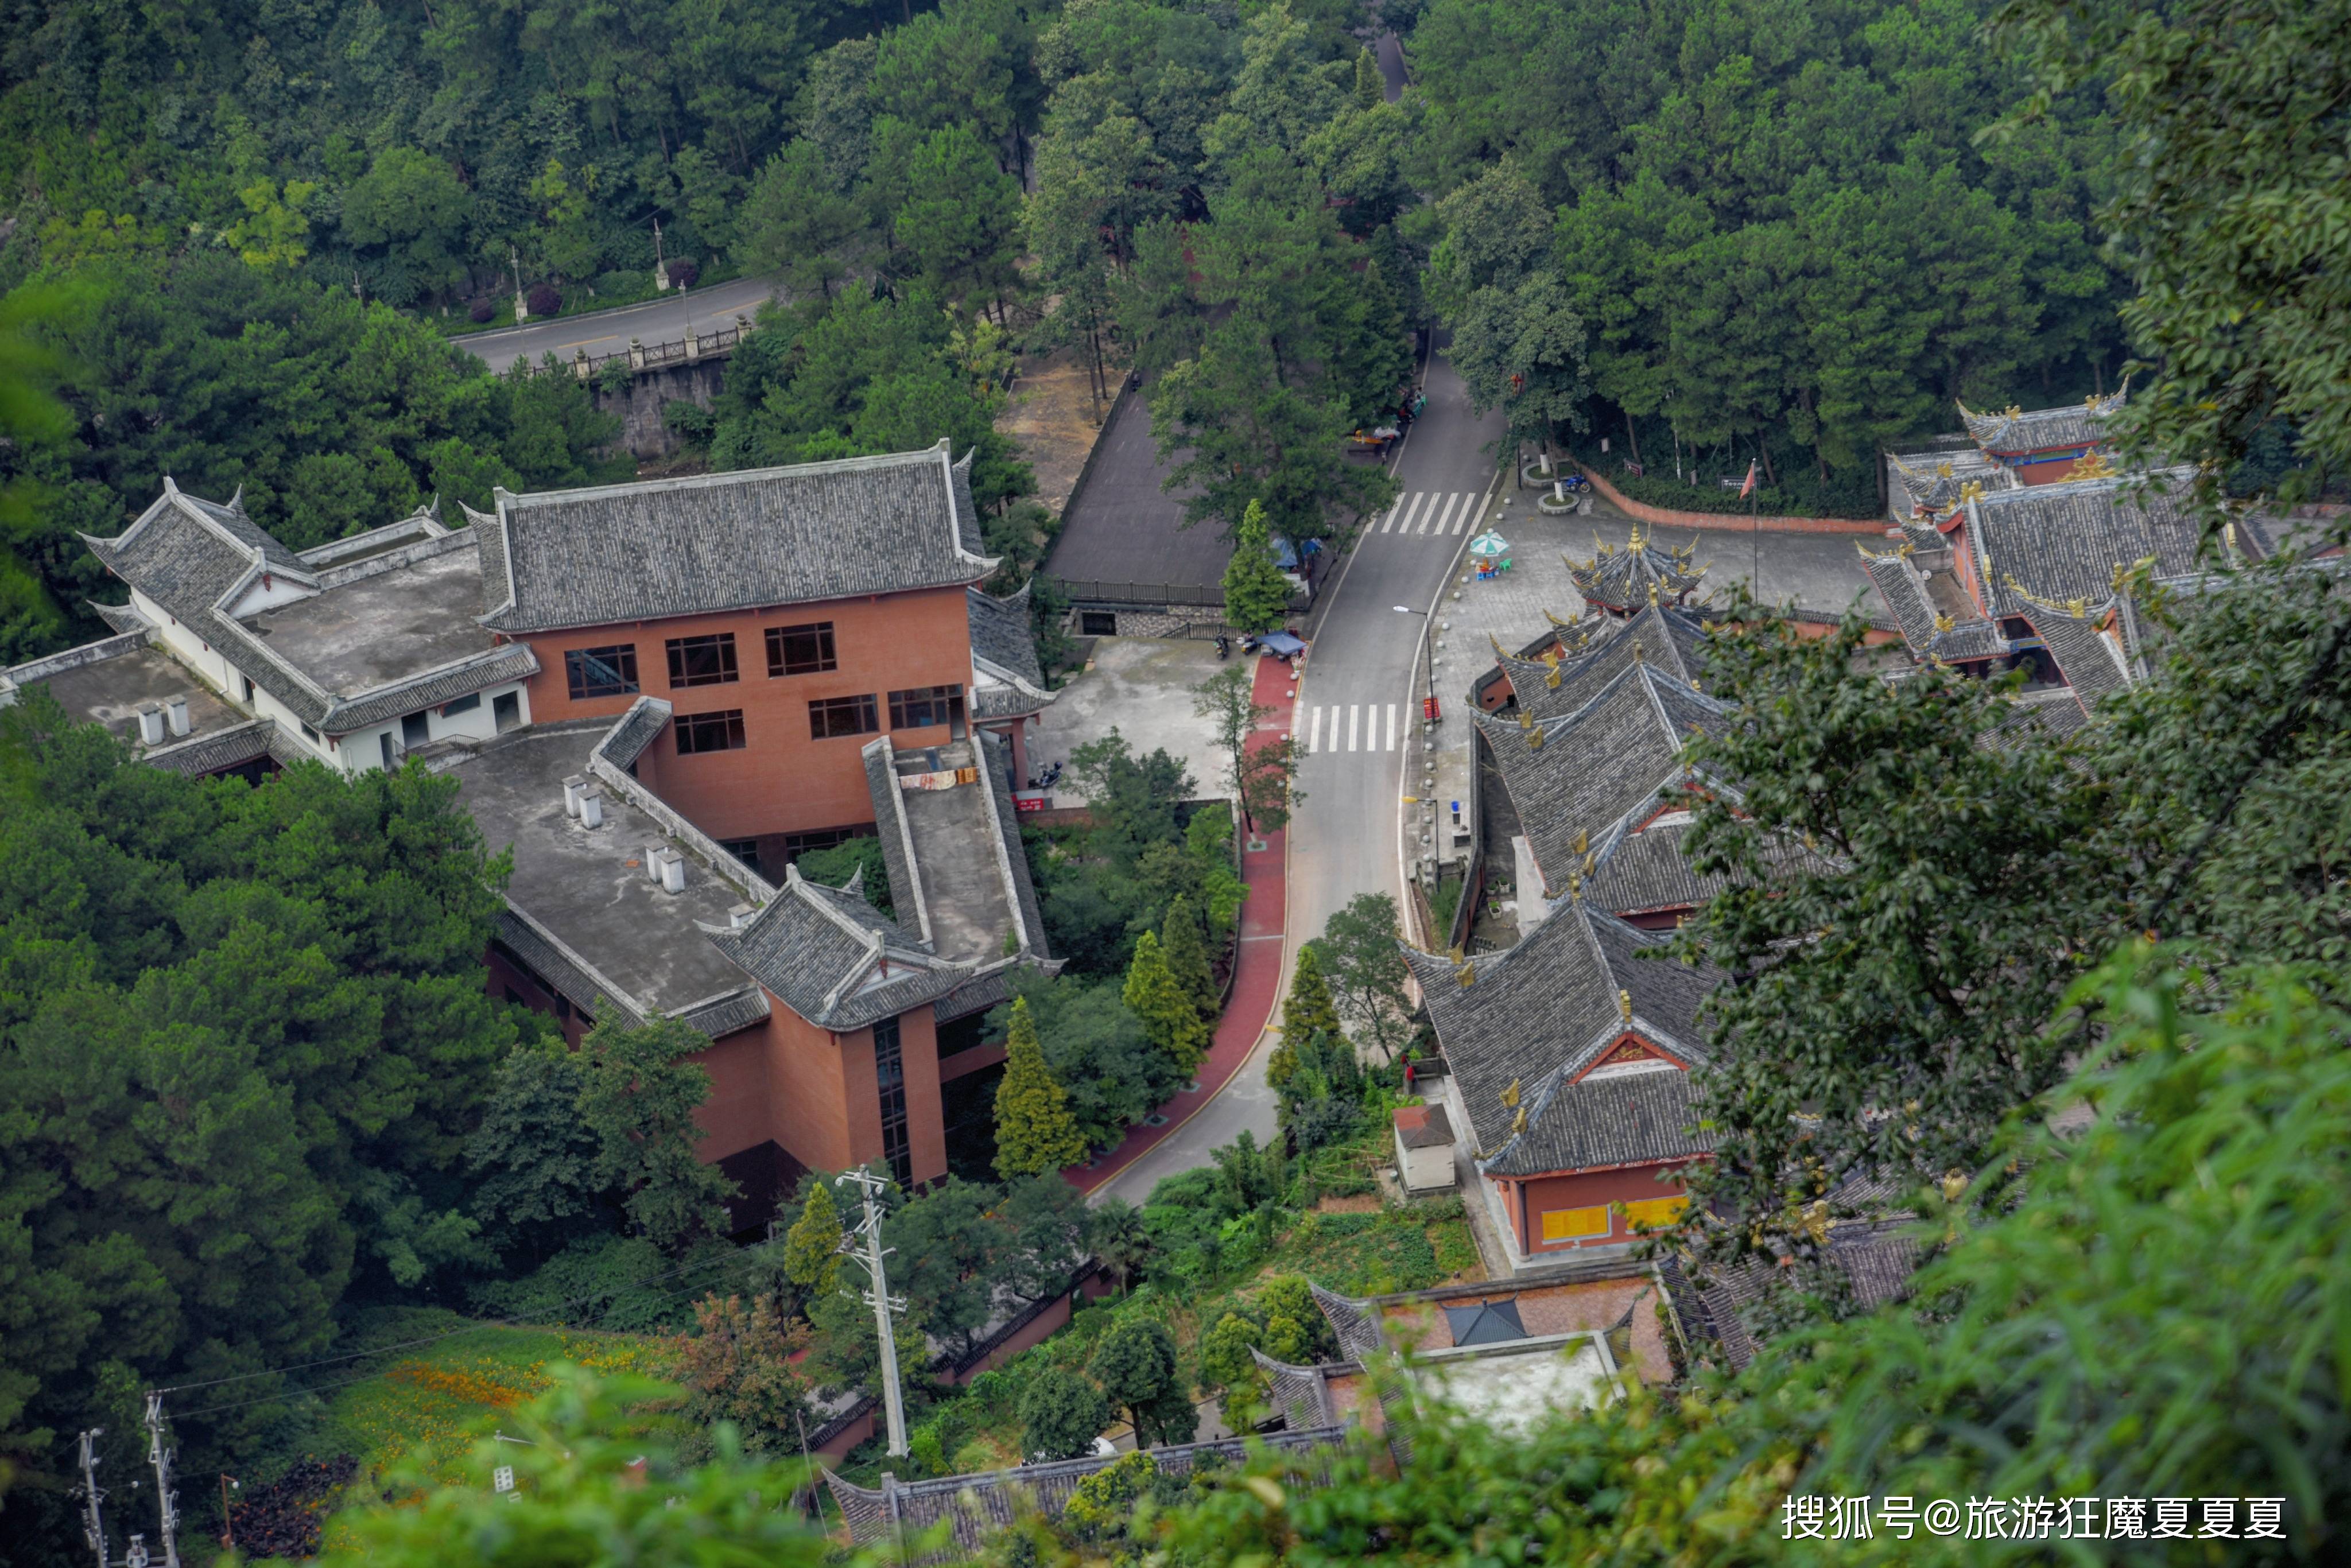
<point x="1488" y="543"/>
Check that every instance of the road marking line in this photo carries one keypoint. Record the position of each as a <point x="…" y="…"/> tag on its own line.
<point x="1391" y="707"/>
<point x="1405" y="522"/>
<point x="1435" y="502"/>
<point x="1444" y="520"/>
<point x="1388" y="522"/>
<point x="1467" y="512"/>
<point x="1314" y="735"/>
<point x="1353" y="714"/>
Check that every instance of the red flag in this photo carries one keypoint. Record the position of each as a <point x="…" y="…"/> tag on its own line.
<point x="1749" y="488"/>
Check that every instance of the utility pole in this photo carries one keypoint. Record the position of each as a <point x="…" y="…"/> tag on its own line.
<point x="894" y="1404"/>
<point x="167" y="1502"/>
<point x="93" y="1523"/>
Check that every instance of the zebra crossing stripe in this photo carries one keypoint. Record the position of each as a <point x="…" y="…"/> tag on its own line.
<point x="1389" y="522"/>
<point x="1392" y="715"/>
<point x="1353" y="713"/>
<point x="1467" y="512"/>
<point x="1315" y="734"/>
<point x="1404" y="524"/>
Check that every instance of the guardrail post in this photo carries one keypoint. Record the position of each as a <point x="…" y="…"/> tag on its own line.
<point x="692" y="347"/>
<point x="637" y="354"/>
<point x="580" y="363"/>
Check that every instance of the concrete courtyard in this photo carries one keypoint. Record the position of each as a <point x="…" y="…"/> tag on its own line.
<point x="1141" y="687"/>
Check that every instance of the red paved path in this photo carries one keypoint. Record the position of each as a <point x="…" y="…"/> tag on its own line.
<point x="1260" y="974"/>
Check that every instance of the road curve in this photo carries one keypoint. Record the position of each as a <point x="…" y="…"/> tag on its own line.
<point x="609" y="332"/>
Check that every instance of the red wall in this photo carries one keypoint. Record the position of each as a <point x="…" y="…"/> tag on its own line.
<point x="1527" y="1202"/>
<point x="782" y="782"/>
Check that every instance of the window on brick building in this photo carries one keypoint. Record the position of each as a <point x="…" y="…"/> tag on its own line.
<point x="743" y="849"/>
<point x="843" y="716"/>
<point x="927" y="706"/>
<point x="800" y="650"/>
<point x="721" y="731"/>
<point x="609" y="671"/>
<point x="702" y="661"/>
<point x="890" y="1073"/>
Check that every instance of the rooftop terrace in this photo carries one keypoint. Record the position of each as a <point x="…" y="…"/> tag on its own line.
<point x="360" y="634"/>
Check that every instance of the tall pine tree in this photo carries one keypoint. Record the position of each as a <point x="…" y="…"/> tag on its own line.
<point x="1306" y="1011"/>
<point x="813" y="1246"/>
<point x="1169" y="1017"/>
<point x="1188" y="954"/>
<point x="1034" y="1129"/>
<point x="1257" y="595"/>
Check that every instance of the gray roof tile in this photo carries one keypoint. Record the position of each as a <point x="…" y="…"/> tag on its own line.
<point x="835" y="959"/>
<point x="1639" y="574"/>
<point x="2042" y="429"/>
<point x="726" y="541"/>
<point x="2071" y="540"/>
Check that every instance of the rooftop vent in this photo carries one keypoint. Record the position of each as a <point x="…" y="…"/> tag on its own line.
<point x="591" y="806"/>
<point x="572" y="788"/>
<point x="669" y="869"/>
<point x="175" y="713"/>
<point x="741" y="915"/>
<point x="150" y="723"/>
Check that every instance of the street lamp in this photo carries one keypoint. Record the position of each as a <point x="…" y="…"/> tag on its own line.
<point x="1428" y="710"/>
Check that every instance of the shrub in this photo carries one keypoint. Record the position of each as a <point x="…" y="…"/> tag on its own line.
<point x="543" y="299"/>
<point x="483" y="310"/>
<point x="683" y="274"/>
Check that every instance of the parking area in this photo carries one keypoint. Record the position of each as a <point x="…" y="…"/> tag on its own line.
<point x="1141" y="686"/>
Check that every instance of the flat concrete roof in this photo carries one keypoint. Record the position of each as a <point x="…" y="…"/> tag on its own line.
<point x="361" y="635"/>
<point x="1516" y="1388"/>
<point x="110" y="692"/>
<point x="591" y="887"/>
<point x="963" y="886"/>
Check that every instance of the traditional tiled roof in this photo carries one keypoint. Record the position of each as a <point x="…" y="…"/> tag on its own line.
<point x="1669" y="638"/>
<point x="2015" y="432"/>
<point x="1641" y="573"/>
<point x="1424" y="1127"/>
<point x="1933" y="482"/>
<point x="2075" y="538"/>
<point x="1542" y="1012"/>
<point x="1576" y="777"/>
<point x="2087" y="658"/>
<point x="974" y="1508"/>
<point x="1642" y="868"/>
<point x="834" y="958"/>
<point x="1010" y="681"/>
<point x="730" y="541"/>
<point x="1875" y="1257"/>
<point x="2036" y="718"/>
<point x="196" y="558"/>
<point x="1928" y="632"/>
<point x="225" y="748"/>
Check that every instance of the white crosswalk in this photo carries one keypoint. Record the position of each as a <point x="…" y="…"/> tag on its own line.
<point x="1428" y="514"/>
<point x="1353" y="727"/>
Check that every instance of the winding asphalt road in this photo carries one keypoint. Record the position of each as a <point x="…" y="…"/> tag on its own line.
<point x="608" y="331"/>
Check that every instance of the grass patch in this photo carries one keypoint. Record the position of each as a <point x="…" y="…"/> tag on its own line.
<point x="429" y="1397"/>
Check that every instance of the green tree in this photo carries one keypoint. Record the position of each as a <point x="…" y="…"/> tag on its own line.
<point x="411" y="209"/>
<point x="1136" y="1365"/>
<point x="1097" y="1052"/>
<point x="1257" y="595"/>
<point x="951" y="1249"/>
<point x="961" y="220"/>
<point x="1227" y="1368"/>
<point x="1169" y="1016"/>
<point x="1363" y="968"/>
<point x="1061" y="1414"/>
<point x="533" y="1158"/>
<point x="812" y="1245"/>
<point x="1306" y="1011"/>
<point x="1185" y="950"/>
<point x="1046" y="1227"/>
<point x="801" y="225"/>
<point x="638" y="1098"/>
<point x="860" y="857"/>
<point x="1034" y="1131"/>
<point x="2228" y="192"/>
<point x="1116" y="1235"/>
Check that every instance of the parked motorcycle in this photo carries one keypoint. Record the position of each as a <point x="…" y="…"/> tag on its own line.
<point x="1224" y="650"/>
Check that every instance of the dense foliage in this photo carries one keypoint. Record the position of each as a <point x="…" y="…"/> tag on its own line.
<point x="1770" y="233"/>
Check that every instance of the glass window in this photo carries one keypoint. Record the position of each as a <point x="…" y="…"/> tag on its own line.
<point x="1573" y="1224"/>
<point x="927" y="706"/>
<point x="743" y="849"/>
<point x="721" y="731"/>
<point x="890" y="1074"/>
<point x="799" y="650"/>
<point x="465" y="704"/>
<point x="702" y="661"/>
<point x="609" y="671"/>
<point x="843" y="716"/>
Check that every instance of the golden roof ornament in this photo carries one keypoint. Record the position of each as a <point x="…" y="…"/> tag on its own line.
<point x="1496" y="642"/>
<point x="1633" y="540"/>
<point x="2078" y="607"/>
<point x="1510" y="1096"/>
<point x="1971" y="491"/>
<point x="1942" y="470"/>
<point x="1638" y="656"/>
<point x="1955" y="1184"/>
<point x="1653" y="593"/>
<point x="1583" y="841"/>
<point x="1518" y="1121"/>
<point x="1942" y="623"/>
<point x="2093" y="466"/>
<point x="1574" y="887"/>
<point x="1625" y="1005"/>
<point x="1591" y="861"/>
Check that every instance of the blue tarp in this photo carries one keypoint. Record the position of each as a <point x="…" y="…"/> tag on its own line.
<point x="1285" y="555"/>
<point x="1280" y="642"/>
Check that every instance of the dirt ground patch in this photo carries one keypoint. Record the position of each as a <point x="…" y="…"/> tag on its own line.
<point x="1052" y="415"/>
<point x="1360" y="1203"/>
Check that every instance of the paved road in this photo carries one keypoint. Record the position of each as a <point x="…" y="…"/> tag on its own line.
<point x="609" y="332"/>
<point x="1360" y="673"/>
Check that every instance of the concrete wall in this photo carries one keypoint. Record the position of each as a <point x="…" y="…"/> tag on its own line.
<point x="639" y="406"/>
<point x="782" y="782"/>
